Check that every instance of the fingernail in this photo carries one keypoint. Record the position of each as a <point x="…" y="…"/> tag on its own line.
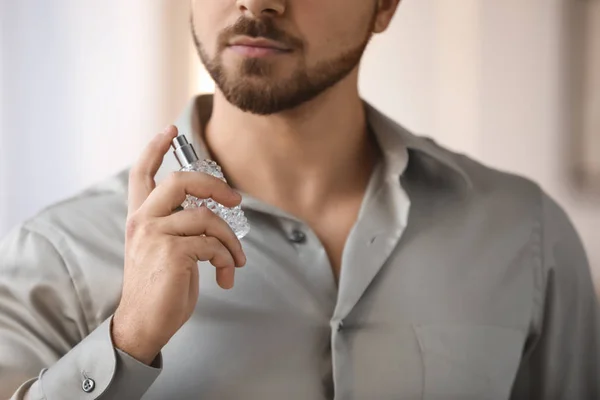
<point x="167" y="130"/>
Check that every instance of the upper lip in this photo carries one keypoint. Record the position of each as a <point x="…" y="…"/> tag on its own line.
<point x="258" y="42"/>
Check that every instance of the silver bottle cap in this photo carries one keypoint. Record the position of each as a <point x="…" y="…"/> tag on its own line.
<point x="184" y="151"/>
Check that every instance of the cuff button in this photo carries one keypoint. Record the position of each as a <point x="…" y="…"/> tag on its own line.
<point x="88" y="385"/>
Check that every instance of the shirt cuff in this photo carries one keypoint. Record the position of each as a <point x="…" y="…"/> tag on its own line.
<point x="133" y="378"/>
<point x="94" y="367"/>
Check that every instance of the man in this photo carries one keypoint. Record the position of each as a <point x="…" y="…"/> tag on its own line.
<point x="378" y="266"/>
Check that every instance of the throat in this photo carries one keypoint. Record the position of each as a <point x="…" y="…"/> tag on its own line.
<point x="333" y="228"/>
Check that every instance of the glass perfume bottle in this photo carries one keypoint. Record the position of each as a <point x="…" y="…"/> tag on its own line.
<point x="189" y="161"/>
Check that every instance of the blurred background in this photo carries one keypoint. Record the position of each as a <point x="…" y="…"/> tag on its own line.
<point x="514" y="84"/>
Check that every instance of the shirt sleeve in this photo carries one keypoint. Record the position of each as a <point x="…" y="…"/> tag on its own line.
<point x="47" y="347"/>
<point x="562" y="355"/>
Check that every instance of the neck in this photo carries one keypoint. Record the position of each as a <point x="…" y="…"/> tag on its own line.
<point x="298" y="159"/>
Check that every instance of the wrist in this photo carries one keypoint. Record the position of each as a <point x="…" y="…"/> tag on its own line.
<point x="132" y="341"/>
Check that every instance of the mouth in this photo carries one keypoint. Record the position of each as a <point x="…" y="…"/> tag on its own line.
<point x="257" y="47"/>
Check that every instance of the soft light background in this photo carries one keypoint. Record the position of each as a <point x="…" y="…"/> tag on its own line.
<point x="86" y="83"/>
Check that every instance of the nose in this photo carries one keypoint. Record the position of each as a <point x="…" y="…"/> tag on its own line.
<point x="261" y="8"/>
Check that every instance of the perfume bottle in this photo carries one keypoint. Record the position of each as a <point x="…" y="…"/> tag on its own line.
<point x="188" y="159"/>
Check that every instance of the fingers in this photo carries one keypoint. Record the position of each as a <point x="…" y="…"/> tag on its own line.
<point x="206" y="248"/>
<point x="172" y="192"/>
<point x="141" y="177"/>
<point x="204" y="235"/>
<point x="211" y="249"/>
<point x="202" y="221"/>
<point x="225" y="277"/>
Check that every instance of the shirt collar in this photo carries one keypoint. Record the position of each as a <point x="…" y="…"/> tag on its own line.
<point x="394" y="140"/>
<point x="394" y="133"/>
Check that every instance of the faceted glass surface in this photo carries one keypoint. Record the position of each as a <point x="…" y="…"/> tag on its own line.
<point x="234" y="217"/>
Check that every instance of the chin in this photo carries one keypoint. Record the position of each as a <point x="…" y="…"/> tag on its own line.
<point x="269" y="77"/>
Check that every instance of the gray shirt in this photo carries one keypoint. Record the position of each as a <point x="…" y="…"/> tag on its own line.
<point x="457" y="282"/>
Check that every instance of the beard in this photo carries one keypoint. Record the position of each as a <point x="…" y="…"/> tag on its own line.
<point x="252" y="88"/>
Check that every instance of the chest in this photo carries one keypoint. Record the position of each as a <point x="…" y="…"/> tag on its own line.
<point x="431" y="324"/>
<point x="437" y="311"/>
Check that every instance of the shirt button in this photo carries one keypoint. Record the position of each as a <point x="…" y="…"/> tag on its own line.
<point x="88" y="385"/>
<point x="298" y="236"/>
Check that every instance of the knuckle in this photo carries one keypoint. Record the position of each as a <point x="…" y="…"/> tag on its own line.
<point x="222" y="259"/>
<point x="205" y="213"/>
<point x="132" y="225"/>
<point x="137" y="225"/>
<point x="149" y="227"/>
<point x="202" y="243"/>
<point x="139" y="175"/>
<point x="175" y="178"/>
<point x="220" y="262"/>
<point x="210" y="242"/>
<point x="217" y="184"/>
<point x="222" y="184"/>
<point x="211" y="182"/>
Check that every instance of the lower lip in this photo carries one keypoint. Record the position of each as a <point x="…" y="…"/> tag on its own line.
<point x="251" y="51"/>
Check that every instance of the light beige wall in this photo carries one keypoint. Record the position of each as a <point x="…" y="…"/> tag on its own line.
<point x="591" y="94"/>
<point x="84" y="87"/>
<point x="489" y="78"/>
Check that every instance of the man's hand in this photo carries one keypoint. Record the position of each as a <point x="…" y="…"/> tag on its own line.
<point x="162" y="248"/>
